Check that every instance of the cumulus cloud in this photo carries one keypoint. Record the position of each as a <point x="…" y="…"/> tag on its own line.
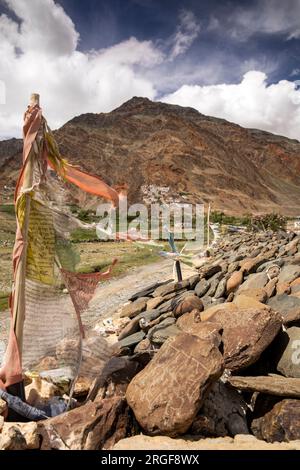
<point x="187" y="31"/>
<point x="250" y="103"/>
<point x="40" y="54"/>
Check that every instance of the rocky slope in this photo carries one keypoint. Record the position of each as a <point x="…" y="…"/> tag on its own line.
<point x="152" y="146"/>
<point x="215" y="356"/>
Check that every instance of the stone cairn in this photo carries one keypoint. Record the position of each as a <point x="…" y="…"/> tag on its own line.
<point x="215" y="355"/>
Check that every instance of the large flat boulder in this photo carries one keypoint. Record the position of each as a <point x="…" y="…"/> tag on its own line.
<point x="246" y="333"/>
<point x="166" y="396"/>
<point x="271" y="385"/>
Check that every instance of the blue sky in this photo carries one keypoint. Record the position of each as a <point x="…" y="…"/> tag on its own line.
<point x="238" y="60"/>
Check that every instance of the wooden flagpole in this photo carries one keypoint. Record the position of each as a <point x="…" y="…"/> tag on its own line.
<point x="19" y="295"/>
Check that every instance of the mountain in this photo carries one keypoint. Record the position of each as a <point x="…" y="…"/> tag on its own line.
<point x="168" y="152"/>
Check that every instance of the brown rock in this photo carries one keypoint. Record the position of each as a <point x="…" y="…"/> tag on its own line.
<point x="271" y="385"/>
<point x="250" y="265"/>
<point x="258" y="294"/>
<point x="234" y="281"/>
<point x="279" y="424"/>
<point x="12" y="439"/>
<point x="155" y="302"/>
<point x="144" y="345"/>
<point x="93" y="426"/>
<point x="211" y="311"/>
<point x="134" y="308"/>
<point x="283" y="288"/>
<point x="243" y="301"/>
<point x="246" y="334"/>
<point x="191" y="323"/>
<point x="270" y="287"/>
<point x="168" y="393"/>
<point x="3" y="407"/>
<point x="187" y="305"/>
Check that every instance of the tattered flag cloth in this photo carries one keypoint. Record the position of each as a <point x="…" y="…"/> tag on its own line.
<point x="47" y="324"/>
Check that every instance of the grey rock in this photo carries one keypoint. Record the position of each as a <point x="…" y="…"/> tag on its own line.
<point x="202" y="287"/>
<point x="289" y="273"/>
<point x="254" y="281"/>
<point x="131" y="340"/>
<point x="170" y="287"/>
<point x="160" y="333"/>
<point x="289" y="362"/>
<point x="148" y="290"/>
<point x="287" y="305"/>
<point x="279" y="262"/>
<point x="223" y="413"/>
<point x="221" y="289"/>
<point x="134" y="308"/>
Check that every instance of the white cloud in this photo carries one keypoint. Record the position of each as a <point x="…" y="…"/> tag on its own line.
<point x="41" y="55"/>
<point x="187" y="31"/>
<point x="250" y="103"/>
<point x="266" y="16"/>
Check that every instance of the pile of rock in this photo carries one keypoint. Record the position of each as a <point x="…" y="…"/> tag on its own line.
<point x="225" y="344"/>
<point x="215" y="355"/>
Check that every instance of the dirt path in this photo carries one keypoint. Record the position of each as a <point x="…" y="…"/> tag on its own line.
<point x="111" y="295"/>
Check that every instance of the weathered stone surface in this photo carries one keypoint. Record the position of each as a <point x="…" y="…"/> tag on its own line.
<point x="188" y="304"/>
<point x="144" y="345"/>
<point x="134" y="308"/>
<point x="250" y="265"/>
<point x="272" y="385"/>
<point x="135" y="324"/>
<point x="221" y="289"/>
<point x="287" y="305"/>
<point x="279" y="262"/>
<point x="239" y="442"/>
<point x="289" y="362"/>
<point x="270" y="287"/>
<point x="168" y="393"/>
<point x="214" y="282"/>
<point x="193" y="281"/>
<point x="234" y="281"/>
<point x="246" y="334"/>
<point x="283" y="288"/>
<point x="258" y="294"/>
<point x="191" y="323"/>
<point x="254" y="281"/>
<point x="160" y="333"/>
<point x="243" y="301"/>
<point x="211" y="311"/>
<point x="170" y="287"/>
<point x="202" y="287"/>
<point x="155" y="302"/>
<point x="12" y="439"/>
<point x="209" y="270"/>
<point x="282" y="423"/>
<point x="223" y="413"/>
<point x="3" y="406"/>
<point x="82" y="386"/>
<point x="93" y="426"/>
<point x="131" y="340"/>
<point x="148" y="290"/>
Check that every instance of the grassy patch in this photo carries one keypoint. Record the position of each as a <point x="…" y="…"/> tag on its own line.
<point x="4" y="297"/>
<point x="7" y="209"/>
